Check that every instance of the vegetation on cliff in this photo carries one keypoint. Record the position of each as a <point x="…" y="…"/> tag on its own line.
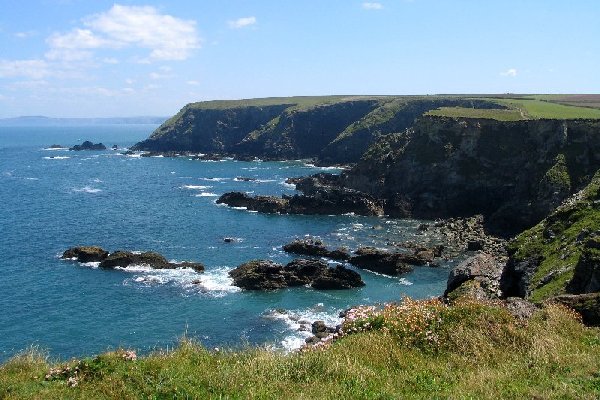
<point x="546" y="258"/>
<point x="416" y="349"/>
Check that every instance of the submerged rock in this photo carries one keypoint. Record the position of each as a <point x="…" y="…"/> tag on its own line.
<point x="87" y="145"/>
<point x="268" y="275"/>
<point x="315" y="247"/>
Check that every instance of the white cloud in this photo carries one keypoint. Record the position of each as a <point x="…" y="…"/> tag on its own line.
<point x="242" y="22"/>
<point x="32" y="69"/>
<point x="512" y="72"/>
<point x="110" y="60"/>
<point x="193" y="83"/>
<point x="166" y="37"/>
<point x="372" y="6"/>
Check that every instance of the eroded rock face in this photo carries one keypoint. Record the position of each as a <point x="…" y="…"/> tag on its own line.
<point x="86" y="253"/>
<point x="586" y="278"/>
<point x="483" y="270"/>
<point x="87" y="145"/>
<point x="123" y="259"/>
<point x="267" y="275"/>
<point x="315" y="247"/>
<point x="389" y="263"/>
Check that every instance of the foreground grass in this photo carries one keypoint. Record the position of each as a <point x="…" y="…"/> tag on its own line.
<point x="480" y="351"/>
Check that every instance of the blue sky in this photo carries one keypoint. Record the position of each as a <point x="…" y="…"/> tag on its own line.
<point x="76" y="58"/>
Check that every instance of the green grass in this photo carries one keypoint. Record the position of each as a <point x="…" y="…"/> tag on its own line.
<point x="463" y="112"/>
<point x="483" y="353"/>
<point x="539" y="109"/>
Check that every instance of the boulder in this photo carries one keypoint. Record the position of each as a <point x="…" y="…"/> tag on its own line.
<point x="483" y="269"/>
<point x="337" y="278"/>
<point x="314" y="247"/>
<point x="87" y="145"/>
<point x="125" y="258"/>
<point x="384" y="262"/>
<point x="267" y="275"/>
<point x="86" y="253"/>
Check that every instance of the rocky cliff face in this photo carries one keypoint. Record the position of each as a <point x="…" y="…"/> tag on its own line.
<point x="514" y="173"/>
<point x="334" y="131"/>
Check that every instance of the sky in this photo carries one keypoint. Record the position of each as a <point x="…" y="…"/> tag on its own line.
<point x="81" y="58"/>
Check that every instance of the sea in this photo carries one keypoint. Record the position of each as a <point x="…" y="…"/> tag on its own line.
<point x="53" y="199"/>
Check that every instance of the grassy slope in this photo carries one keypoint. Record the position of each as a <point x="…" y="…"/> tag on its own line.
<point x="555" y="239"/>
<point x="480" y="352"/>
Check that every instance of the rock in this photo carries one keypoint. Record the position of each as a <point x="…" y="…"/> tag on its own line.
<point x="519" y="308"/>
<point x="474" y="245"/>
<point x="244" y="179"/>
<point x="264" y="204"/>
<point x="86" y="253"/>
<point x="87" y="145"/>
<point x="337" y="278"/>
<point x="588" y="305"/>
<point x="115" y="147"/>
<point x="228" y="240"/>
<point x="267" y="275"/>
<point x="314" y="247"/>
<point x="196" y="282"/>
<point x="259" y="275"/>
<point x="56" y="146"/>
<point x="319" y="326"/>
<point x="586" y="278"/>
<point x="481" y="268"/>
<point x="198" y="267"/>
<point x="385" y="262"/>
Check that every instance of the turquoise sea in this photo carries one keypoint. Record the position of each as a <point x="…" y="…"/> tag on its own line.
<point x="54" y="199"/>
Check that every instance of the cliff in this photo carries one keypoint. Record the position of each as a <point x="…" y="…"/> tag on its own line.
<point x="512" y="172"/>
<point x="334" y="129"/>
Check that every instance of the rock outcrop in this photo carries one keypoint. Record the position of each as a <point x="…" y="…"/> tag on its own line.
<point x="477" y="277"/>
<point x="87" y="145"/>
<point x="512" y="172"/>
<point x="391" y="263"/>
<point x="124" y="259"/>
<point x="268" y="275"/>
<point x="587" y="305"/>
<point x="315" y="247"/>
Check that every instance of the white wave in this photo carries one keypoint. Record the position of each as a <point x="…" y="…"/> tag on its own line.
<point x="158" y="156"/>
<point x="135" y="155"/>
<point x="299" y="323"/>
<point x="91" y="264"/>
<point x="405" y="282"/>
<point x="56" y="158"/>
<point x="87" y="189"/>
<point x="240" y="208"/>
<point x="288" y="185"/>
<point x="195" y="187"/>
<point x="97" y="180"/>
<point x="214" y="179"/>
<point x="55" y="148"/>
<point x="32" y="179"/>
<point x="218" y="281"/>
<point x="265" y="180"/>
<point x="206" y="194"/>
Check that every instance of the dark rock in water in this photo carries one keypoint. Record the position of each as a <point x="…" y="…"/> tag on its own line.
<point x="115" y="147"/>
<point x="228" y="240"/>
<point x="314" y="247"/>
<point x="244" y="179"/>
<point x="154" y="260"/>
<point x="267" y="275"/>
<point x="259" y="275"/>
<point x="385" y="262"/>
<point x="56" y="146"/>
<point x="317" y="199"/>
<point x="86" y="253"/>
<point x="483" y="270"/>
<point x="123" y="259"/>
<point x="337" y="278"/>
<point x="87" y="145"/>
<point x="588" y="305"/>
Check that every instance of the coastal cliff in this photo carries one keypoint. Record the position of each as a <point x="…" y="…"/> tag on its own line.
<point x="513" y="172"/>
<point x="331" y="129"/>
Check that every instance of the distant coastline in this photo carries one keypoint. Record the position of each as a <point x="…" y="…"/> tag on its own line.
<point x="38" y="120"/>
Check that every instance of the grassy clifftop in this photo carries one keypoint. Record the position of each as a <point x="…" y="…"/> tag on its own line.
<point x="419" y="350"/>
